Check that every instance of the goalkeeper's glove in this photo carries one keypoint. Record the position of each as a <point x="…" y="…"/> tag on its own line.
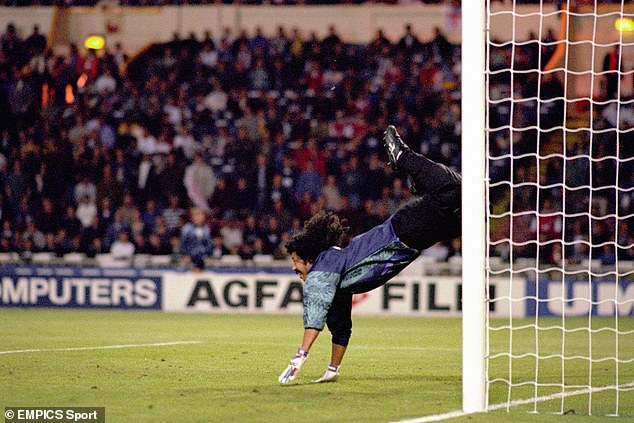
<point x="294" y="366"/>
<point x="330" y="375"/>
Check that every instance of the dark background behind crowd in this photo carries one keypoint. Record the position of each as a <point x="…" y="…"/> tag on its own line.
<point x="102" y="154"/>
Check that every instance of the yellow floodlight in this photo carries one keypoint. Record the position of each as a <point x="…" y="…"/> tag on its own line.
<point x="95" y="42"/>
<point x="624" y="24"/>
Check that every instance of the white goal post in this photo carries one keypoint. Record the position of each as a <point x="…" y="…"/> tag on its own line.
<point x="473" y="200"/>
<point x="548" y="205"/>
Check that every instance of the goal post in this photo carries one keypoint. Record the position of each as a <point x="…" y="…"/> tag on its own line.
<point x="473" y="210"/>
<point x="548" y="206"/>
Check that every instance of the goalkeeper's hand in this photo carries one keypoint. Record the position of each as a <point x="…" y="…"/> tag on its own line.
<point x="294" y="366"/>
<point x="330" y="375"/>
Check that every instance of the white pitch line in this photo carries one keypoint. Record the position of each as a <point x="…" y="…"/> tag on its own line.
<point x="359" y="347"/>
<point x="101" y="347"/>
<point x="459" y="413"/>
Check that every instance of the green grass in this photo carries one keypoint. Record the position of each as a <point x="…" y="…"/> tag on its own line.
<point x="395" y="369"/>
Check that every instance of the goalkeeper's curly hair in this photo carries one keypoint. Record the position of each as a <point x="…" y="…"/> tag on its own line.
<point x="322" y="231"/>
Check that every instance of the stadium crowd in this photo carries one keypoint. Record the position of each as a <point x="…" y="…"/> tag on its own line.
<point x="257" y="133"/>
<point x="225" y="146"/>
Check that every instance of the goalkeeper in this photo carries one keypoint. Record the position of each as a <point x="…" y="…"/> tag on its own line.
<point x="332" y="272"/>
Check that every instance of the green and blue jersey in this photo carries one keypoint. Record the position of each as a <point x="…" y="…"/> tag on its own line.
<point x="369" y="261"/>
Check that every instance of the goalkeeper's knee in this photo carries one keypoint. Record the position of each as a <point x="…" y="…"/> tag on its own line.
<point x="341" y="338"/>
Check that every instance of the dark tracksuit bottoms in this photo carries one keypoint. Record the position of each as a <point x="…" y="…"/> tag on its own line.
<point x="435" y="214"/>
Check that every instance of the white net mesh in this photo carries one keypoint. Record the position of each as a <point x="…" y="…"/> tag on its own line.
<point x="560" y="197"/>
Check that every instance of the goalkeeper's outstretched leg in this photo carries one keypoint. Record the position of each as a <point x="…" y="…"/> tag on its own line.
<point x="435" y="215"/>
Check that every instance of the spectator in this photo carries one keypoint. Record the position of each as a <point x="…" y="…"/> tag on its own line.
<point x="200" y="182"/>
<point x="96" y="247"/>
<point x="48" y="220"/>
<point x="185" y="141"/>
<point x="243" y="201"/>
<point x="232" y="236"/>
<point x="196" y="239"/>
<point x="218" y="249"/>
<point x="23" y="97"/>
<point x="36" y="42"/>
<point x="282" y="214"/>
<point x="114" y="229"/>
<point x="170" y="179"/>
<point x="105" y="215"/>
<point x="138" y="226"/>
<point x="173" y="213"/>
<point x="309" y="181"/>
<point x="157" y="246"/>
<point x="49" y="243"/>
<point x="259" y="78"/>
<point x="109" y="187"/>
<point x="352" y="181"/>
<point x="122" y="169"/>
<point x="70" y="223"/>
<point x="122" y="248"/>
<point x="208" y="55"/>
<point x="278" y="192"/>
<point x="146" y="143"/>
<point x="611" y="63"/>
<point x="376" y="174"/>
<point x="409" y="43"/>
<point x="16" y="184"/>
<point x="105" y="84"/>
<point x="272" y="235"/>
<point x="216" y="100"/>
<point x="35" y="236"/>
<point x="221" y="199"/>
<point x="149" y="215"/>
<point x="332" y="196"/>
<point x="147" y="182"/>
<point x="86" y="212"/>
<point x="85" y="188"/>
<point x="128" y="210"/>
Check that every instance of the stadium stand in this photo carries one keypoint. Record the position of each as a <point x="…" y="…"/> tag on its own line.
<point x="257" y="132"/>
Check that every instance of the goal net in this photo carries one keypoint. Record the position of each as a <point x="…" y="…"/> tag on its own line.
<point x="559" y="193"/>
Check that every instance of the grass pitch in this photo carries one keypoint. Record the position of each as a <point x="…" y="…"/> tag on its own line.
<point x="394" y="369"/>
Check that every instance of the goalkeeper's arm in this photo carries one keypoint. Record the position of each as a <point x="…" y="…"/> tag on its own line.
<point x="290" y="373"/>
<point x="319" y="292"/>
